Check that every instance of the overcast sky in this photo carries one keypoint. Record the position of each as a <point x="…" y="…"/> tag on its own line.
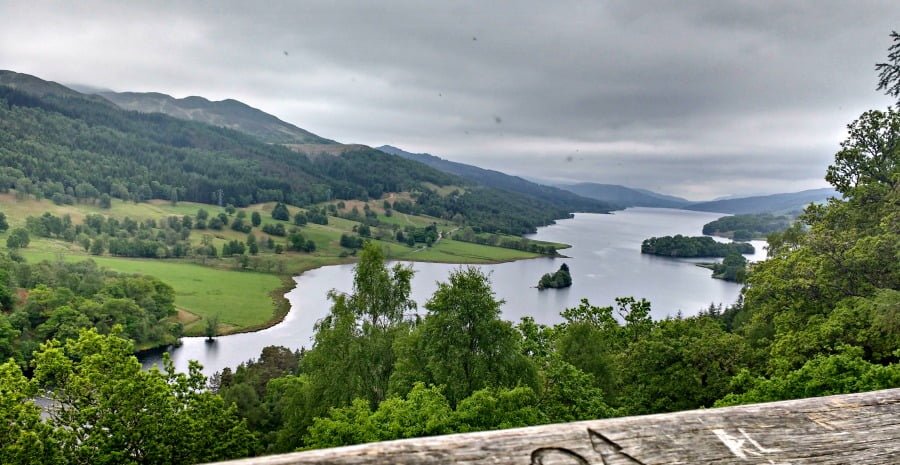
<point x="698" y="99"/>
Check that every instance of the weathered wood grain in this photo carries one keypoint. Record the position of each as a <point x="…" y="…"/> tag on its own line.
<point x="846" y="429"/>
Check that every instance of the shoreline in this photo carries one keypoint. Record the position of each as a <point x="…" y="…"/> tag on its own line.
<point x="283" y="306"/>
<point x="288" y="282"/>
<point x="726" y="235"/>
<point x="304" y="306"/>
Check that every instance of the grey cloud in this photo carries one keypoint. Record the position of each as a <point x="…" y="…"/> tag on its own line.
<point x="686" y="97"/>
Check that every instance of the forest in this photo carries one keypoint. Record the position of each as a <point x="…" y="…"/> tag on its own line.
<point x="732" y="268"/>
<point x="820" y="316"/>
<point x="747" y="227"/>
<point x="468" y="234"/>
<point x="699" y="246"/>
<point x="71" y="147"/>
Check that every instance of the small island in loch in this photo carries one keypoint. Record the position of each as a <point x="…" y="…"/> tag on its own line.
<point x="557" y="280"/>
<point x="692" y="247"/>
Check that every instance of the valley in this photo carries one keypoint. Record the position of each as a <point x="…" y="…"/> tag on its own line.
<point x="254" y="291"/>
<point x="187" y="278"/>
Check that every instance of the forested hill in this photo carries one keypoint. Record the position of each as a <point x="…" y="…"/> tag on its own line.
<point x="58" y="143"/>
<point x="624" y="197"/>
<point x="38" y="87"/>
<point x="226" y="113"/>
<point x="776" y="203"/>
<point x="499" y="180"/>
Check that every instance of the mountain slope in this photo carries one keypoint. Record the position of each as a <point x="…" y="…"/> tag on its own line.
<point x="38" y="87"/>
<point x="498" y="180"/>
<point x="624" y="197"/>
<point x="671" y="198"/>
<point x="60" y="144"/>
<point x="776" y="203"/>
<point x="228" y="113"/>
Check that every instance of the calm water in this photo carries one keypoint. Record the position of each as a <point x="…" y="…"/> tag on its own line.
<point x="605" y="262"/>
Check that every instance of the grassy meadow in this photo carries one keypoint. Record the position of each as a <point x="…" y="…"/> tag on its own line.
<point x="243" y="300"/>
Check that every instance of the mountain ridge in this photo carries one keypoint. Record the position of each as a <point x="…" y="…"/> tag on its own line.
<point x="229" y="113"/>
<point x="58" y="143"/>
<point x="624" y="197"/>
<point x="773" y="203"/>
<point x="499" y="180"/>
<point x="34" y="85"/>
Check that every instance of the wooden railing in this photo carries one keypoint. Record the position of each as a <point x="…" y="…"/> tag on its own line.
<point x="847" y="429"/>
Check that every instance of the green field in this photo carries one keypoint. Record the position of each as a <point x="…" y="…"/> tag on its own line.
<point x="243" y="300"/>
<point x="450" y="251"/>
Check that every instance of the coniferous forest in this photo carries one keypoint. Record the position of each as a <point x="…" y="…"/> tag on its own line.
<point x="820" y="316"/>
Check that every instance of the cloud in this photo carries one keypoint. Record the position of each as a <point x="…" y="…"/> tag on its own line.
<point x="692" y="98"/>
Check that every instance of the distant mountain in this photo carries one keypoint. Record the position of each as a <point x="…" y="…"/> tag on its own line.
<point x="87" y="89"/>
<point x="734" y="196"/>
<point x="497" y="180"/>
<point x="228" y="113"/>
<point x="776" y="203"/>
<point x="657" y="195"/>
<point x="624" y="197"/>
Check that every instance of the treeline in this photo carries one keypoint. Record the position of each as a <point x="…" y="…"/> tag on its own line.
<point x="690" y="247"/>
<point x="167" y="238"/>
<point x="69" y="149"/>
<point x="372" y="227"/>
<point x="747" y="227"/>
<point x="170" y="236"/>
<point x="56" y="300"/>
<point x="468" y="234"/>
<point x="138" y="156"/>
<point x="492" y="211"/>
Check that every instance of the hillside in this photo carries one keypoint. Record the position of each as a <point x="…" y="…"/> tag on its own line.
<point x="499" y="180"/>
<point x="776" y="203"/>
<point x="747" y="227"/>
<point x="58" y="143"/>
<point x="183" y="261"/>
<point x="228" y="113"/>
<point x="624" y="197"/>
<point x="35" y="86"/>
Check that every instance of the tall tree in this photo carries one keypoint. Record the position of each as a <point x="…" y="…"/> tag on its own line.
<point x="17" y="239"/>
<point x="24" y="438"/>
<point x="281" y="212"/>
<point x="870" y="155"/>
<point x="111" y="411"/>
<point x="889" y="72"/>
<point x="464" y="344"/>
<point x="353" y="353"/>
